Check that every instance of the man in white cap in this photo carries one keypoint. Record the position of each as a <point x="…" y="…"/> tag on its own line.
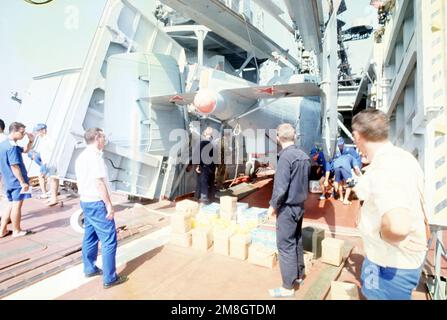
<point x="44" y="148"/>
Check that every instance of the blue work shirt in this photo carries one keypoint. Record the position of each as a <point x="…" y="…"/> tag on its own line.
<point x="345" y="161"/>
<point x="11" y="154"/>
<point x="352" y="152"/>
<point x="322" y="163"/>
<point x="291" y="178"/>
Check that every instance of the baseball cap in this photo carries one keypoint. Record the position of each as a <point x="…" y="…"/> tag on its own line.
<point x="40" y="126"/>
<point x="340" y="141"/>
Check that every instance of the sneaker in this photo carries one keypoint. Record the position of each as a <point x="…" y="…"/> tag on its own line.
<point x="299" y="281"/>
<point x="119" y="280"/>
<point x="322" y="197"/>
<point x="94" y="274"/>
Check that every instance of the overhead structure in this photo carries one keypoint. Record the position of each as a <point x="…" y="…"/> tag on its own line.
<point x="308" y="19"/>
<point x="276" y="12"/>
<point x="231" y="26"/>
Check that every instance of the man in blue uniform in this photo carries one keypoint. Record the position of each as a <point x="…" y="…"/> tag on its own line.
<point x="290" y="190"/>
<point x="15" y="178"/>
<point x="324" y="171"/>
<point x="349" y="150"/>
<point x="318" y="163"/>
<point x="343" y="164"/>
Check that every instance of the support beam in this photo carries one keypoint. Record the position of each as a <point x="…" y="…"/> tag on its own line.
<point x="329" y="86"/>
<point x="246" y="62"/>
<point x="201" y="35"/>
<point x="345" y="130"/>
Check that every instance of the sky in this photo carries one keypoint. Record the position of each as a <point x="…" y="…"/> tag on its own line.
<point x="41" y="39"/>
<point x="359" y="12"/>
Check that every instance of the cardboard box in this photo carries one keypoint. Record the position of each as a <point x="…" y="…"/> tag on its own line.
<point x="344" y="291"/>
<point x="221" y="239"/>
<point x="241" y="206"/>
<point x="228" y="215"/>
<point x="239" y="246"/>
<point x="212" y="207"/>
<point x="180" y="223"/>
<point x="252" y="217"/>
<point x="262" y="256"/>
<point x="314" y="186"/>
<point x="265" y="237"/>
<point x="332" y="251"/>
<point x="228" y="207"/>
<point x="187" y="207"/>
<point x="312" y="238"/>
<point x="202" y="239"/>
<point x="181" y="239"/>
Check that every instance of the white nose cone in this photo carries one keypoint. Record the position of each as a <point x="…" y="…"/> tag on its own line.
<point x="205" y="101"/>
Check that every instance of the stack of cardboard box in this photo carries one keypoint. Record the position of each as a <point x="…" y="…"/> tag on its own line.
<point x="221" y="239"/>
<point x="228" y="207"/>
<point x="181" y="222"/>
<point x="235" y="230"/>
<point x="262" y="256"/>
<point x="202" y="238"/>
<point x="239" y="246"/>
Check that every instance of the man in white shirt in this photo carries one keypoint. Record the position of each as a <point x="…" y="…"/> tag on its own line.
<point x="44" y="151"/>
<point x="94" y="190"/>
<point x="392" y="222"/>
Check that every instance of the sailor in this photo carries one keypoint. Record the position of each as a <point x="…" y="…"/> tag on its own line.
<point x="349" y="150"/>
<point x="41" y="154"/>
<point x="290" y="190"/>
<point x="393" y="223"/>
<point x="15" y="178"/>
<point x="318" y="163"/>
<point x="323" y="171"/>
<point x="94" y="191"/>
<point x="205" y="189"/>
<point x="343" y="165"/>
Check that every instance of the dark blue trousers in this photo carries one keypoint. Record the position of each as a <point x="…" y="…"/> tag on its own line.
<point x="98" y="228"/>
<point x="290" y="245"/>
<point x="205" y="189"/>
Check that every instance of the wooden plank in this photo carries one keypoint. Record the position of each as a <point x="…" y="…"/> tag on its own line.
<point x="240" y="191"/>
